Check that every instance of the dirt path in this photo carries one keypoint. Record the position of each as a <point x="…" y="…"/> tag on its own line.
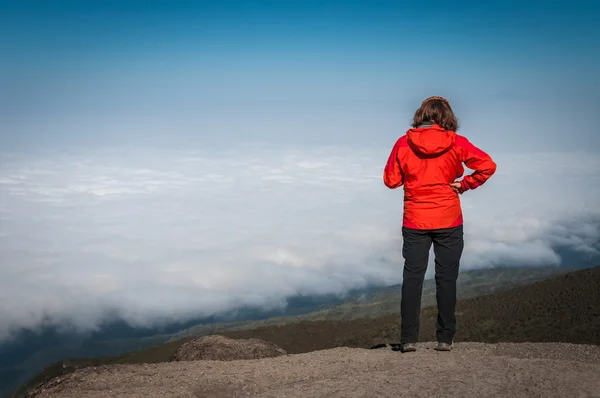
<point x="470" y="370"/>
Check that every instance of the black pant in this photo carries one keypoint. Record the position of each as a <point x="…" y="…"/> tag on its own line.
<point x="447" y="246"/>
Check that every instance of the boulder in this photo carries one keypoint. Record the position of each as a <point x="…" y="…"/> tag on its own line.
<point x="219" y="348"/>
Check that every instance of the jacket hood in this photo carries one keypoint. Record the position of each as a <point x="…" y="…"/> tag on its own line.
<point x="430" y="140"/>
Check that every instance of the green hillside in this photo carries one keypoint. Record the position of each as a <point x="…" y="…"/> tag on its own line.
<point x="386" y="300"/>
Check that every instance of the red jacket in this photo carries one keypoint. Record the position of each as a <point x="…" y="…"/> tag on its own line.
<point x="426" y="160"/>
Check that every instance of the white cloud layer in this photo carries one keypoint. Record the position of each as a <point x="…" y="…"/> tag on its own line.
<point x="173" y="234"/>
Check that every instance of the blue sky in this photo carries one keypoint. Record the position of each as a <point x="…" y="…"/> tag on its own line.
<point x="165" y="160"/>
<point x="341" y="71"/>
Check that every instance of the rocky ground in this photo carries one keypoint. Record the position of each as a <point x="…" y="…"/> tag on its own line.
<point x="470" y="370"/>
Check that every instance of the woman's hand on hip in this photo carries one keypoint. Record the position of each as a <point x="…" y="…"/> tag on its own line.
<point x="456" y="187"/>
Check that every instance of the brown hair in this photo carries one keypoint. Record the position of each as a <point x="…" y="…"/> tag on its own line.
<point x="436" y="110"/>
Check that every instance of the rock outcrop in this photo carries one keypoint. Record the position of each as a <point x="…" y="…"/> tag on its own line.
<point x="219" y="348"/>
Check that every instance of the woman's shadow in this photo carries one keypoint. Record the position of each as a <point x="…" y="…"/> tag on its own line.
<point x="391" y="346"/>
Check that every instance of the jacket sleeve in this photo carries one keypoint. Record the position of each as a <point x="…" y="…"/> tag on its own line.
<point x="392" y="174"/>
<point x="475" y="159"/>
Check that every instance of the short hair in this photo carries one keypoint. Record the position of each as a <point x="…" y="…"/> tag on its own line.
<point x="436" y="110"/>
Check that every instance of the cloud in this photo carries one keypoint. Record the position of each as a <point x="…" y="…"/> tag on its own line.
<point x="155" y="234"/>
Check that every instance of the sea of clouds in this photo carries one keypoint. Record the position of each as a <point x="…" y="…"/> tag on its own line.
<point x="172" y="234"/>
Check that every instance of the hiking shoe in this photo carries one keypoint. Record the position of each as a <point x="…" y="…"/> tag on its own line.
<point x="443" y="347"/>
<point x="409" y="347"/>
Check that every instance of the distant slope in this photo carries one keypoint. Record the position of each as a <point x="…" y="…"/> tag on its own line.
<point x="565" y="308"/>
<point x="386" y="300"/>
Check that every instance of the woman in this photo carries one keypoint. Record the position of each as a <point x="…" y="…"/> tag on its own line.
<point x="427" y="160"/>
